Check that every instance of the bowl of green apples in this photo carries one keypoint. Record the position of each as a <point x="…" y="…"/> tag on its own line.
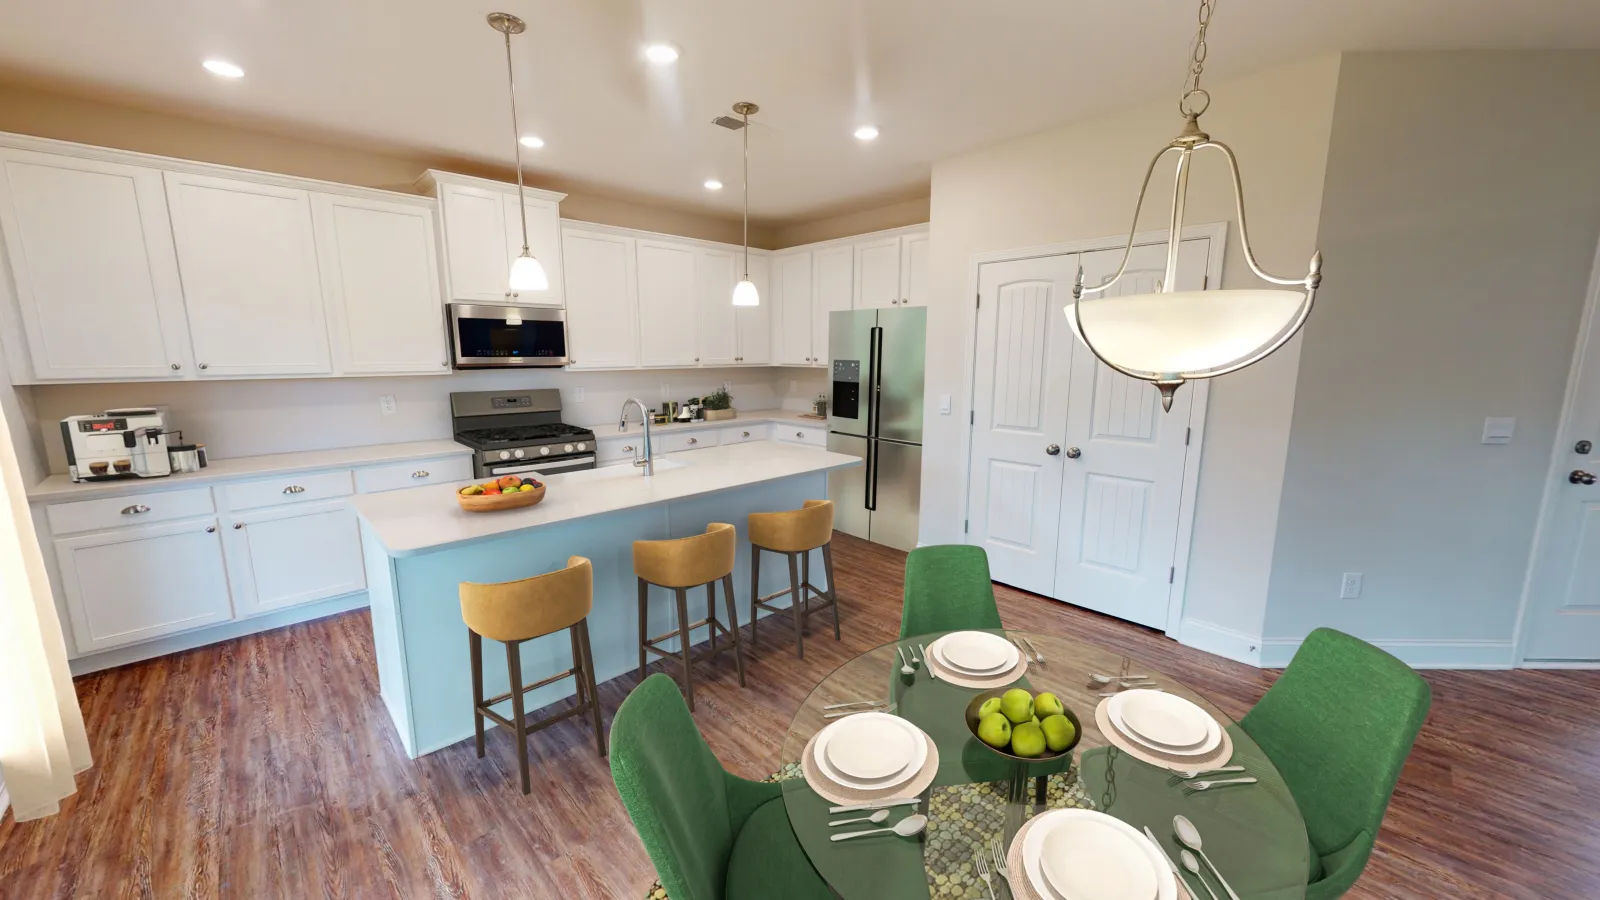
<point x="1022" y="726"/>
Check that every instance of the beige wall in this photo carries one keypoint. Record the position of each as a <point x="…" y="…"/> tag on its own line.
<point x="1078" y="182"/>
<point x="1460" y="221"/>
<point x="861" y="221"/>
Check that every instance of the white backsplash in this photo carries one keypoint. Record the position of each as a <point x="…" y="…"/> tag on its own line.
<point x="248" y="418"/>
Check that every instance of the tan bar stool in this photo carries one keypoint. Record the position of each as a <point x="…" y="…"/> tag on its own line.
<point x="794" y="534"/>
<point x="518" y="611"/>
<point x="681" y="564"/>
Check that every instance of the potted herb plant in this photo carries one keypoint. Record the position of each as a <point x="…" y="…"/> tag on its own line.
<point x="718" y="405"/>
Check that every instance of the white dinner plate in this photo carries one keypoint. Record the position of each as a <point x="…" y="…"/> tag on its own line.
<point x="977" y="652"/>
<point x="1165" y="723"/>
<point x="937" y="651"/>
<point x="1080" y="854"/>
<point x="823" y="754"/>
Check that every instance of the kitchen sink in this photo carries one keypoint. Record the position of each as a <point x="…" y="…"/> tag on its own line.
<point x="607" y="473"/>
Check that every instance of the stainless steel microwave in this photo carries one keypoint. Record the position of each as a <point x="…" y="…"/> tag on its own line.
<point x="506" y="337"/>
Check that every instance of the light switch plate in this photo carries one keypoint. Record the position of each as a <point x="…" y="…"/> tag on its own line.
<point x="944" y="404"/>
<point x="1498" y="430"/>
<point x="577" y="395"/>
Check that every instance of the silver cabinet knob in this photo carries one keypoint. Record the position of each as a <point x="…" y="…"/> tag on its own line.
<point x="697" y="359"/>
<point x="204" y="366"/>
<point x="420" y="473"/>
<point x="176" y="367"/>
<point x="294" y="489"/>
<point x="627" y="449"/>
<point x="238" y="525"/>
<point x="1578" y="476"/>
<point x="212" y="529"/>
<point x="1073" y="453"/>
<point x="747" y="434"/>
<point x="800" y="434"/>
<point x="694" y="440"/>
<point x="445" y="364"/>
<point x="135" y="510"/>
<point x="1053" y="449"/>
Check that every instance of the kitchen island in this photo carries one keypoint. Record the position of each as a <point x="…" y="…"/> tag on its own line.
<point x="419" y="545"/>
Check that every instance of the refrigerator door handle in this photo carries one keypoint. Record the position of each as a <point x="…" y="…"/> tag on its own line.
<point x="875" y="384"/>
<point x="871" y="493"/>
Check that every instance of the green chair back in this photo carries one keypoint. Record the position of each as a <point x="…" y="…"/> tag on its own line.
<point x="947" y="589"/>
<point x="675" y="790"/>
<point x="1338" y="725"/>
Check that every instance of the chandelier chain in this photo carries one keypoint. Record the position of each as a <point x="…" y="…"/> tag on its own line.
<point x="1195" y="99"/>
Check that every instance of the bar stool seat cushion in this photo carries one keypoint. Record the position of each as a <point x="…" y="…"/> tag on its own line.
<point x="687" y="562"/>
<point x="531" y="607"/>
<point x="795" y="530"/>
<point x="767" y="861"/>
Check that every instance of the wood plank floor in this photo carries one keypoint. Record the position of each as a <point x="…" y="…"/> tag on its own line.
<point x="266" y="767"/>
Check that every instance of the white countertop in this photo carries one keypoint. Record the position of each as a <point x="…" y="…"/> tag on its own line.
<point x="420" y="520"/>
<point x="60" y="487"/>
<point x="751" y="417"/>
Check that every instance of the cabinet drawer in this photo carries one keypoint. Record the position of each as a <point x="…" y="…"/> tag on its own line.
<point x="413" y="474"/>
<point x="138" y="509"/>
<point x="288" y="489"/>
<point x="801" y="434"/>
<point x="742" y="433"/>
<point x="676" y="443"/>
<point x="618" y="449"/>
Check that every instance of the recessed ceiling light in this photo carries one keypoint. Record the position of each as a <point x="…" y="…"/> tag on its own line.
<point x="713" y="185"/>
<point x="661" y="53"/>
<point x="531" y="141"/>
<point x="223" y="69"/>
<point x="867" y="133"/>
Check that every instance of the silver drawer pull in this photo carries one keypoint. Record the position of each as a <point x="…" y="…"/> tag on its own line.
<point x="747" y="434"/>
<point x="628" y="449"/>
<point x="694" y="440"/>
<point x="212" y="529"/>
<point x="294" y="489"/>
<point x="134" y="510"/>
<point x="420" y="473"/>
<point x="238" y="525"/>
<point x="799" y="434"/>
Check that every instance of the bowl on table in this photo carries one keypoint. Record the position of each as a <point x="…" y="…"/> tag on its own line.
<point x="477" y="497"/>
<point x="973" y="718"/>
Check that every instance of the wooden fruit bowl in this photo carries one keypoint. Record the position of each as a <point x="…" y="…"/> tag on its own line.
<point x="496" y="502"/>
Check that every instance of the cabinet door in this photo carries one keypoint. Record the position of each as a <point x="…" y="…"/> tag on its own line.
<point x="667" y="301"/>
<point x="914" y="270"/>
<point x="248" y="257"/>
<point x="602" y="300"/>
<point x="877" y="273"/>
<point x="381" y="281"/>
<point x="544" y="242"/>
<point x="285" y="556"/>
<point x="716" y="331"/>
<point x="754" y="323"/>
<point x="833" y="285"/>
<point x="791" y="317"/>
<point x="134" y="584"/>
<point x="475" y="243"/>
<point x="90" y="247"/>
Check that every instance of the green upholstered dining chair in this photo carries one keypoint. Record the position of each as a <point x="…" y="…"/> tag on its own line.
<point x="711" y="835"/>
<point x="1338" y="725"/>
<point x="947" y="589"/>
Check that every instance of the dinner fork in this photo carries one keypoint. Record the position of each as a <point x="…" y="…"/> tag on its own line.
<point x="1037" y="656"/>
<point x="983" y="872"/>
<point x="999" y="854"/>
<point x="1192" y="774"/>
<point x="1195" y="787"/>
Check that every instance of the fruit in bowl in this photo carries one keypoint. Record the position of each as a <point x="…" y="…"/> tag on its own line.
<point x="510" y="484"/>
<point x="1016" y="724"/>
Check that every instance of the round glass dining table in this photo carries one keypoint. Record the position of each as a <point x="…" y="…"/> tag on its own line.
<point x="1252" y="833"/>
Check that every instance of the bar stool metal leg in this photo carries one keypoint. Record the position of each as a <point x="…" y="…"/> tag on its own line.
<point x="514" y="669"/>
<point x="798" y="597"/>
<point x="833" y="591"/>
<point x="475" y="649"/>
<point x="755" y="593"/>
<point x="644" y="622"/>
<point x="683" y="643"/>
<point x="733" y="625"/>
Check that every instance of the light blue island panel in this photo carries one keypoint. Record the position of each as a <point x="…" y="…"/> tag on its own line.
<point x="421" y="641"/>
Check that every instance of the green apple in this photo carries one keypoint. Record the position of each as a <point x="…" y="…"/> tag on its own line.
<point x="995" y="730"/>
<point x="1027" y="740"/>
<point x="1058" y="733"/>
<point x="989" y="707"/>
<point x="1017" y="704"/>
<point x="1047" y="705"/>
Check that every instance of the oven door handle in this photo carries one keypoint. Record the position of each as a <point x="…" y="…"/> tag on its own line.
<point x="579" y="462"/>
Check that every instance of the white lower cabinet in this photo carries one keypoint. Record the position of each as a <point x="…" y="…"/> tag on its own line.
<point x="288" y="555"/>
<point x="134" y="584"/>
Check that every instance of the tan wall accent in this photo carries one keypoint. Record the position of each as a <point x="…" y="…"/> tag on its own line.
<point x="893" y="215"/>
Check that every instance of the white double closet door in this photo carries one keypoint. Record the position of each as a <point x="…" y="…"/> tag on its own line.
<point x="1077" y="473"/>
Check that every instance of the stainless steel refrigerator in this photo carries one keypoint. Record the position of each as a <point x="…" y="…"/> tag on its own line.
<point x="875" y="413"/>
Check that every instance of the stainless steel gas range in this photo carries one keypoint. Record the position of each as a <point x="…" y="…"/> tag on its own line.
<point x="519" y="431"/>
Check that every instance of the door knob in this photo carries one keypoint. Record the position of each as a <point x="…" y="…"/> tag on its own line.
<point x="1579" y="476"/>
<point x="1053" y="449"/>
<point x="1073" y="453"/>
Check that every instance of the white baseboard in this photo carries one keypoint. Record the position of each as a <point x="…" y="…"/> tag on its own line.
<point x="227" y="631"/>
<point x="1224" y="642"/>
<point x="5" y="800"/>
<point x="1418" y="654"/>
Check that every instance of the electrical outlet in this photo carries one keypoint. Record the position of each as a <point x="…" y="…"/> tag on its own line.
<point x="386" y="403"/>
<point x="1350" y="586"/>
<point x="577" y="395"/>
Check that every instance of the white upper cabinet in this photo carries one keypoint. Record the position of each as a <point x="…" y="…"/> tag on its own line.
<point x="716" y="329"/>
<point x="833" y="286"/>
<point x="482" y="237"/>
<point x="791" y="309"/>
<point x="544" y="242"/>
<point x="247" y="254"/>
<point x="668" y="303"/>
<point x="90" y="252"/>
<point x="381" y="281"/>
<point x="602" y="299"/>
<point x="754" y="323"/>
<point x="914" y="270"/>
<point x="877" y="273"/>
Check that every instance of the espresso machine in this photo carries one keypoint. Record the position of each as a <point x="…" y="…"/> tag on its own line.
<point x="118" y="443"/>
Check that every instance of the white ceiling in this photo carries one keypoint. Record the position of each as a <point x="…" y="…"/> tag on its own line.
<point x="937" y="76"/>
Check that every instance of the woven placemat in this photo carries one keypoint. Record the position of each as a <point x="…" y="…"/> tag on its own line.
<point x="1113" y="736"/>
<point x="963" y="821"/>
<point x="1022" y="888"/>
<point x="845" y="796"/>
<point x="945" y="673"/>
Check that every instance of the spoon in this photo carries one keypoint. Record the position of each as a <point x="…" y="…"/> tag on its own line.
<point x="914" y="660"/>
<point x="1193" y="865"/>
<point x="906" y="827"/>
<point x="877" y="818"/>
<point x="905" y="667"/>
<point x="1190" y="836"/>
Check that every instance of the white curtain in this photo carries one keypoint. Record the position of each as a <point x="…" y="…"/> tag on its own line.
<point x="42" y="741"/>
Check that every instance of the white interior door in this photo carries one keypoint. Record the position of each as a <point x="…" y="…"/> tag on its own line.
<point x="1562" y="619"/>
<point x="1124" y="462"/>
<point x="1022" y="381"/>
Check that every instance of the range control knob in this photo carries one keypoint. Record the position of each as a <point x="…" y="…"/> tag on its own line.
<point x="582" y="446"/>
<point x="518" y="453"/>
<point x="505" y="454"/>
<point x="544" y="451"/>
<point x="567" y="449"/>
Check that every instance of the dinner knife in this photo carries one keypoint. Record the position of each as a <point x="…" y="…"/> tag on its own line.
<point x="834" y="810"/>
<point x="1167" y="859"/>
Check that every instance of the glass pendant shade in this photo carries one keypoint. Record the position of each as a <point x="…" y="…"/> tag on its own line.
<point x="1184" y="334"/>
<point x="745" y="294"/>
<point x="528" y="275"/>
